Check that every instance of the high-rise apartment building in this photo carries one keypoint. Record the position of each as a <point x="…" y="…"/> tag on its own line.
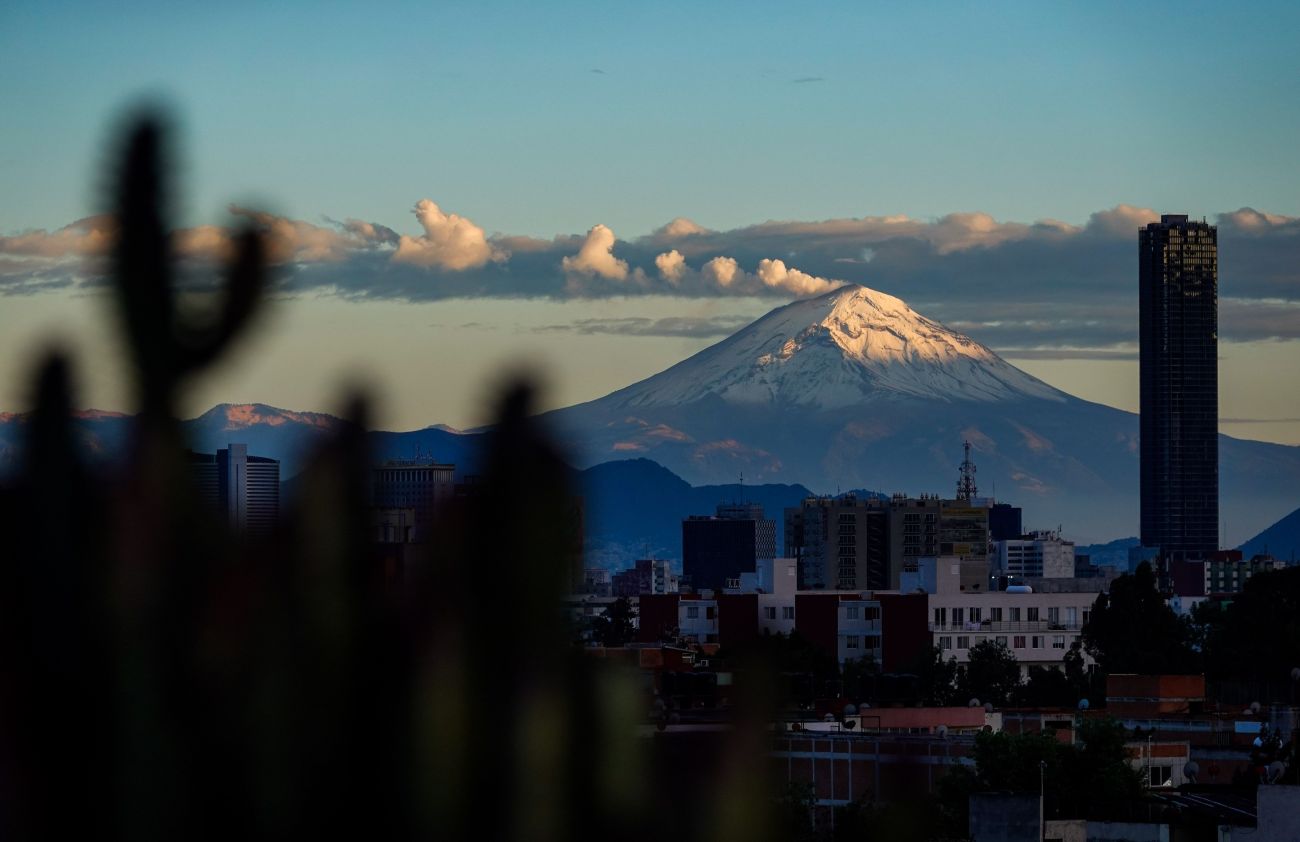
<point x="716" y="550"/>
<point x="1178" y="274"/>
<point x="244" y="489"/>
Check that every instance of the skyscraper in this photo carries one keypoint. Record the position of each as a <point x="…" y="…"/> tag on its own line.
<point x="1178" y="274"/>
<point x="244" y="489"/>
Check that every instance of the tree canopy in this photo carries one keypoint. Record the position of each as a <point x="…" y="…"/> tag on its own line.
<point x="1133" y="630"/>
<point x="991" y="673"/>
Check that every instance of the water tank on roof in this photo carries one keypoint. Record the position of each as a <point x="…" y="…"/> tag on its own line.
<point x="1019" y="589"/>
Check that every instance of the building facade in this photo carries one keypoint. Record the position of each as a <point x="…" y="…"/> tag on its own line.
<point x="244" y="489"/>
<point x="718" y="549"/>
<point x="1178" y="274"/>
<point x="1039" y="554"/>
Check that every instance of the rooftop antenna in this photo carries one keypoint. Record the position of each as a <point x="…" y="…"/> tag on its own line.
<point x="966" y="481"/>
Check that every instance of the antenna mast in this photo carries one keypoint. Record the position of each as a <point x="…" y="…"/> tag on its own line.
<point x="966" y="481"/>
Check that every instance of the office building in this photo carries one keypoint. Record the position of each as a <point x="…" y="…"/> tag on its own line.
<point x="1038" y="554"/>
<point x="1178" y="275"/>
<point x="717" y="549"/>
<point x="243" y="489"/>
<point x="421" y="485"/>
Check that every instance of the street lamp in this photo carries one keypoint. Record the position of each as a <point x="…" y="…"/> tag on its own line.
<point x="1042" y="819"/>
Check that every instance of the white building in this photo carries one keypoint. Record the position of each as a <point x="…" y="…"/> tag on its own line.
<point x="1041" y="554"/>
<point x="1038" y="628"/>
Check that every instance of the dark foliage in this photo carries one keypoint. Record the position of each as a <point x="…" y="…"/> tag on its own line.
<point x="162" y="677"/>
<point x="991" y="673"/>
<point x="1132" y="630"/>
<point x="1257" y="636"/>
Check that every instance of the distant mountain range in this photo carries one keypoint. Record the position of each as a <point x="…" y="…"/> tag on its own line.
<point x="852" y="389"/>
<point x="1281" y="540"/>
<point x="856" y="389"/>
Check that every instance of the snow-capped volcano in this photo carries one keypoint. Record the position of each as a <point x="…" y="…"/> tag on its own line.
<point x="845" y="348"/>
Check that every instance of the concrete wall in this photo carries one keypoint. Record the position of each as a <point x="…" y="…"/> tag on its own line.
<point x="1279" y="813"/>
<point x="1005" y="818"/>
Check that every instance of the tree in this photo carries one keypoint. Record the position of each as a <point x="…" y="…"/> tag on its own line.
<point x="1086" y="779"/>
<point x="1133" y="630"/>
<point x="859" y="676"/>
<point x="991" y="674"/>
<point x="1258" y="635"/>
<point x="936" y="678"/>
<point x="614" y="628"/>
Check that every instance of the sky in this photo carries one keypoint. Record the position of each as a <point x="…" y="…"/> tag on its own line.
<point x="595" y="191"/>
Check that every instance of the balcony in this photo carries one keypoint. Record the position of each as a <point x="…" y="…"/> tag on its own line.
<point x="991" y="627"/>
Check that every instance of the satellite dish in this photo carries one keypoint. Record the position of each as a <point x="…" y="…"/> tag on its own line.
<point x="850" y="724"/>
<point x="1254" y="707"/>
<point x="988" y="707"/>
<point x="850" y="710"/>
<point x="864" y="706"/>
<point x="1083" y="704"/>
<point x="1190" y="770"/>
<point x="973" y="703"/>
<point x="830" y="717"/>
<point x="942" y="731"/>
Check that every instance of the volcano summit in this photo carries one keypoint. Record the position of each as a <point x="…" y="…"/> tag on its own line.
<point x="854" y="389"/>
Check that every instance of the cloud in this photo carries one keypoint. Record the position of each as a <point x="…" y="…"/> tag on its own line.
<point x="450" y="242"/>
<point x="679" y="227"/>
<point x="690" y="327"/>
<point x="804" y="80"/>
<point x="596" y="257"/>
<point x="85" y="237"/>
<point x="775" y="275"/>
<point x="671" y="266"/>
<point x="1040" y="288"/>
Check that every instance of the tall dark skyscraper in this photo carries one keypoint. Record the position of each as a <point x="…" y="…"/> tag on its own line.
<point x="1178" y="272"/>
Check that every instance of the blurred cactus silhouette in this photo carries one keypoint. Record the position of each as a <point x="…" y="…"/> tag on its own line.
<point x="165" y="678"/>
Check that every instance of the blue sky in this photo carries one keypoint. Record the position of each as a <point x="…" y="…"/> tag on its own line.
<point x="532" y="121"/>
<point x="1023" y="111"/>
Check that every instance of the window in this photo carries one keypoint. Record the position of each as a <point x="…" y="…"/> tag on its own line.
<point x="852" y="642"/>
<point x="1086" y="612"/>
<point x="1058" y="641"/>
<point x="871" y="613"/>
<point x="1053" y="614"/>
<point x="710" y="612"/>
<point x="693" y="613"/>
<point x="851" y="612"/>
<point x="1018" y="642"/>
<point x="975" y="615"/>
<point x="770" y="612"/>
<point x="1015" y="614"/>
<point x="1001" y="640"/>
<point x="940" y="617"/>
<point x="871" y="641"/>
<point x="787" y="612"/>
<point x="995" y="614"/>
<point x="945" y="642"/>
<point x="1037" y="642"/>
<point x="1072" y="617"/>
<point x="963" y="642"/>
<point x="1031" y="614"/>
<point x="958" y="617"/>
<point x="1160" y="775"/>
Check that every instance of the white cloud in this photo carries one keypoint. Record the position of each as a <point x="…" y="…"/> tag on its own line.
<point x="722" y="271"/>
<point x="775" y="275"/>
<point x="596" y="257"/>
<point x="671" y="266"/>
<point x="679" y="227"/>
<point x="450" y="241"/>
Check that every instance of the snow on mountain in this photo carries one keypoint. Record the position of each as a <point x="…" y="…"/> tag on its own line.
<point x="845" y="348"/>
